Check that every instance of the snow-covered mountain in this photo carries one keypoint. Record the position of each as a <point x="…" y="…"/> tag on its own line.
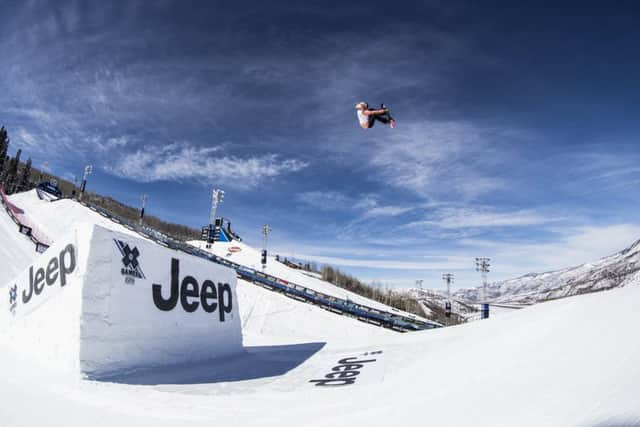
<point x="433" y="303"/>
<point x="610" y="272"/>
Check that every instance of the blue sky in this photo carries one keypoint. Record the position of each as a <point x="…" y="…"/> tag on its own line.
<point x="517" y="125"/>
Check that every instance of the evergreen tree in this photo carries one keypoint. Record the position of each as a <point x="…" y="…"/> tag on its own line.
<point x="24" y="183"/>
<point x="4" y="146"/>
<point x="12" y="173"/>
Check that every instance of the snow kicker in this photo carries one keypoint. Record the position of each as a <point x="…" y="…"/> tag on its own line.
<point x="99" y="302"/>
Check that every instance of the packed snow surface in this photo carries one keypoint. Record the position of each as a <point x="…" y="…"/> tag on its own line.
<point x="567" y="362"/>
<point x="16" y="252"/>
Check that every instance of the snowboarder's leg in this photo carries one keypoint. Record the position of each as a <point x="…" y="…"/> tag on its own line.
<point x="383" y="118"/>
<point x="372" y="121"/>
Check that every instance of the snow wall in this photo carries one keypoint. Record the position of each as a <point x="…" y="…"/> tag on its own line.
<point x="99" y="302"/>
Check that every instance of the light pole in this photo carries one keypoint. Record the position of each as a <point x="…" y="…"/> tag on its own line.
<point x="265" y="232"/>
<point x="482" y="265"/>
<point x="87" y="171"/>
<point x="216" y="198"/>
<point x="143" y="199"/>
<point x="74" y="192"/>
<point x="448" y="277"/>
<point x="209" y="230"/>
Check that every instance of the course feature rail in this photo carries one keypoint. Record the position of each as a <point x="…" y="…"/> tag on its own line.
<point x="25" y="225"/>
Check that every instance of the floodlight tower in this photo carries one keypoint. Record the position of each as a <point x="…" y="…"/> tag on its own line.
<point x="87" y="171"/>
<point x="209" y="231"/>
<point x="482" y="265"/>
<point x="143" y="199"/>
<point x="448" y="277"/>
<point x="217" y="196"/>
<point x="265" y="232"/>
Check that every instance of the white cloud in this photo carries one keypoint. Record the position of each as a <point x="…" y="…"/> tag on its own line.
<point x="576" y="246"/>
<point x="24" y="138"/>
<point x="112" y="143"/>
<point x="454" y="218"/>
<point x="33" y="113"/>
<point x="433" y="158"/>
<point x="384" y="211"/>
<point x="325" y="200"/>
<point x="368" y="205"/>
<point x="180" y="161"/>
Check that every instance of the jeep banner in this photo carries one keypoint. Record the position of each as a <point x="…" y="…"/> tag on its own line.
<point x="167" y="282"/>
<point x="46" y="277"/>
<point x="179" y="303"/>
<point x="106" y="301"/>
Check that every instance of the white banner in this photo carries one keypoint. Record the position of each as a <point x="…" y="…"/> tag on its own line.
<point x="46" y="277"/>
<point x="160" y="280"/>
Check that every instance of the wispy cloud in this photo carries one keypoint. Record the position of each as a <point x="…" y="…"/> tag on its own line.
<point x="600" y="170"/>
<point x="440" y="160"/>
<point x="469" y="217"/>
<point x="181" y="161"/>
<point x="24" y="138"/>
<point x="368" y="206"/>
<point x="325" y="200"/>
<point x="570" y="247"/>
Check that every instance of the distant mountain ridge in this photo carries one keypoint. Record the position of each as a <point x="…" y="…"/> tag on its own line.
<point x="613" y="271"/>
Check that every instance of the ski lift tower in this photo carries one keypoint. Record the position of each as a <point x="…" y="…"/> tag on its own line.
<point x="265" y="232"/>
<point x="482" y="265"/>
<point x="448" y="278"/>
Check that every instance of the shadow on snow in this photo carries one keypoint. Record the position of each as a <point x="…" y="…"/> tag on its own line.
<point x="255" y="363"/>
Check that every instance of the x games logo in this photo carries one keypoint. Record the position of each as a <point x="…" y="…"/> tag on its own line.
<point x="13" y="298"/>
<point x="131" y="266"/>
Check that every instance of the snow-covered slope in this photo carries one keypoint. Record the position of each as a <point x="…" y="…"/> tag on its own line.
<point x="245" y="255"/>
<point x="16" y="251"/>
<point x="262" y="311"/>
<point x="567" y="362"/>
<point x="610" y="272"/>
<point x="552" y="364"/>
<point x="57" y="217"/>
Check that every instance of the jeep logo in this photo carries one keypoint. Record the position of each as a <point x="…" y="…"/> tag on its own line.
<point x="192" y="295"/>
<point x="56" y="271"/>
<point x="345" y="372"/>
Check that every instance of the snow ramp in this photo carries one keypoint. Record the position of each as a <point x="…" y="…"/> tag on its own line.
<point x="99" y="302"/>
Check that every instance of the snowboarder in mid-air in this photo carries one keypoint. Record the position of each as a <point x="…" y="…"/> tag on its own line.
<point x="367" y="116"/>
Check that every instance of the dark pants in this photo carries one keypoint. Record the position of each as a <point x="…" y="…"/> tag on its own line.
<point x="383" y="118"/>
